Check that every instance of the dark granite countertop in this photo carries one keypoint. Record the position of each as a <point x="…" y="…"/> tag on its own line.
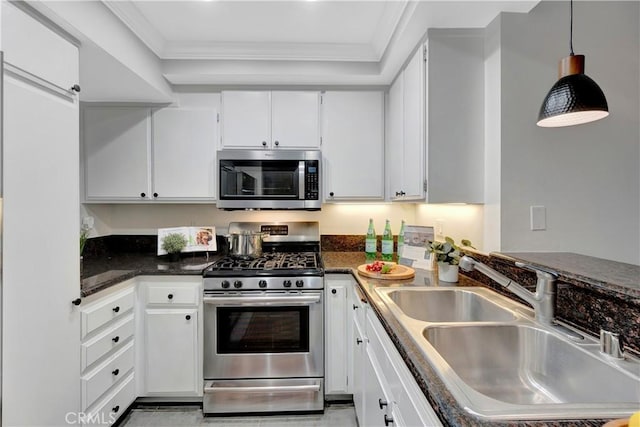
<point x="436" y="392"/>
<point x="600" y="273"/>
<point x="103" y="272"/>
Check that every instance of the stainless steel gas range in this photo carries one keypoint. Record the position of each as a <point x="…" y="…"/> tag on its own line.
<point x="263" y="325"/>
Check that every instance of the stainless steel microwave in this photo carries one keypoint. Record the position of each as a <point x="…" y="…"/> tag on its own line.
<point x="269" y="179"/>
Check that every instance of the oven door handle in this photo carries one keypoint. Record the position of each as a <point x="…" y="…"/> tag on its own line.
<point x="271" y="389"/>
<point x="263" y="301"/>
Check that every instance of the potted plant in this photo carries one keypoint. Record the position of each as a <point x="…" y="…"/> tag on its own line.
<point x="447" y="254"/>
<point x="174" y="243"/>
<point x="84" y="235"/>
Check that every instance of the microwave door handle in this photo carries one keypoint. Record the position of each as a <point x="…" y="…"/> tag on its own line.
<point x="301" y="173"/>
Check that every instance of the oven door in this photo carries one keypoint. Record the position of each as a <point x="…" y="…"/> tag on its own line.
<point x="263" y="334"/>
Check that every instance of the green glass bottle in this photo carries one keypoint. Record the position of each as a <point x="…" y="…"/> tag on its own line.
<point x="370" y="242"/>
<point x="387" y="243"/>
<point x="401" y="239"/>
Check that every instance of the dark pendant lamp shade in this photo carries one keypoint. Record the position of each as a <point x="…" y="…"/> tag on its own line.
<point x="575" y="98"/>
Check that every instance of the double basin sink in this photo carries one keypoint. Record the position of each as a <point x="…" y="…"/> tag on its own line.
<point x="500" y="364"/>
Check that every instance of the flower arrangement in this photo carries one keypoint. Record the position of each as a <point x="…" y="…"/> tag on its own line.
<point x="84" y="235"/>
<point x="447" y="252"/>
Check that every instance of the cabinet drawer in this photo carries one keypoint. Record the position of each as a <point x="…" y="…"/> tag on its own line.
<point x="98" y="381"/>
<point x="112" y="338"/>
<point x="107" y="411"/>
<point x="96" y="315"/>
<point x="182" y="294"/>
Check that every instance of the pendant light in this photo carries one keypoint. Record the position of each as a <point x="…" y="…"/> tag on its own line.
<point x="575" y="98"/>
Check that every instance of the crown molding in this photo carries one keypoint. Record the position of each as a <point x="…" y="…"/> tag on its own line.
<point x="272" y="51"/>
<point x="131" y="16"/>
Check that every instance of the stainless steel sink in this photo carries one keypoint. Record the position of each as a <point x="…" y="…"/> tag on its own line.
<point x="448" y="305"/>
<point x="529" y="366"/>
<point x="499" y="363"/>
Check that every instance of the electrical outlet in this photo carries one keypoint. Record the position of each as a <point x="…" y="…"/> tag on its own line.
<point x="538" y="217"/>
<point x="439" y="229"/>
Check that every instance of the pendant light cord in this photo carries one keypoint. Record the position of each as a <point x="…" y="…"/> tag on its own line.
<point x="571" y="29"/>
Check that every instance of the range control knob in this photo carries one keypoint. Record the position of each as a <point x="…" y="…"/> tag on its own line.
<point x="262" y="283"/>
<point x="237" y="284"/>
<point x="225" y="284"/>
<point x="299" y="283"/>
<point x="287" y="283"/>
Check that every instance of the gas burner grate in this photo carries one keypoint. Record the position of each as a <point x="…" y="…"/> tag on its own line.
<point x="270" y="261"/>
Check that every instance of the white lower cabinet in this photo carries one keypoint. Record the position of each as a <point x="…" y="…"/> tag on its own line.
<point x="338" y="288"/>
<point x="170" y="339"/>
<point x="384" y="390"/>
<point x="170" y="354"/>
<point x="107" y="354"/>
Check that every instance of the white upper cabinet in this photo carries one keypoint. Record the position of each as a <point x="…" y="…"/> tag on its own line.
<point x="405" y="132"/>
<point x="246" y="119"/>
<point x="295" y="119"/>
<point x="184" y="151"/>
<point x="136" y="154"/>
<point x="413" y="90"/>
<point x="435" y="122"/>
<point x="353" y="145"/>
<point x="456" y="116"/>
<point x="116" y="153"/>
<point x="263" y="119"/>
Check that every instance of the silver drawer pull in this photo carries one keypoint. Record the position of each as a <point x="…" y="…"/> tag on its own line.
<point x="270" y="389"/>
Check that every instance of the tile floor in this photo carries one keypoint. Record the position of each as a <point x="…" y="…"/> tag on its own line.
<point x="337" y="415"/>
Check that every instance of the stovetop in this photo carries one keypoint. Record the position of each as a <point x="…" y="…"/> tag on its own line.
<point x="269" y="264"/>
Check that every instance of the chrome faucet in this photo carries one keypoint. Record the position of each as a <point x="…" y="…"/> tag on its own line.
<point x="543" y="300"/>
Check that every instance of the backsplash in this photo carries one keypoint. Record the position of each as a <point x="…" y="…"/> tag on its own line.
<point x="348" y="243"/>
<point x="578" y="304"/>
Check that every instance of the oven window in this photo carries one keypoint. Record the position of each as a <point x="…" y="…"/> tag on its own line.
<point x="262" y="330"/>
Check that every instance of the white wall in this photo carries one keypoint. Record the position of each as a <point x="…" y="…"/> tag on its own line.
<point x="587" y="176"/>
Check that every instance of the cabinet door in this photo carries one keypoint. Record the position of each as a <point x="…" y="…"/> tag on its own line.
<point x="456" y="129"/>
<point x="359" y="355"/>
<point x="40" y="326"/>
<point x="353" y="135"/>
<point x="413" y="128"/>
<point x="171" y="352"/>
<point x="116" y="151"/>
<point x="295" y="119"/>
<point x="33" y="47"/>
<point x="246" y="119"/>
<point x="376" y="406"/>
<point x="184" y="149"/>
<point x="394" y="146"/>
<point x="337" y="344"/>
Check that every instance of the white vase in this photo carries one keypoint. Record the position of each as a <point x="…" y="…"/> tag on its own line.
<point x="447" y="272"/>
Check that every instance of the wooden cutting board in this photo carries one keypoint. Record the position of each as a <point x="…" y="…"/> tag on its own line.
<point x="398" y="273"/>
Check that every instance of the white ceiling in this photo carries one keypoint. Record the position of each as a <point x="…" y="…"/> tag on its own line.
<point x="282" y="30"/>
<point x="240" y="43"/>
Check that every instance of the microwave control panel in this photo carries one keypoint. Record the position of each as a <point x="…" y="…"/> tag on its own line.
<point x="311" y="179"/>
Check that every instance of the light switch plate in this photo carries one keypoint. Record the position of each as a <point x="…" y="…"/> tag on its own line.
<point x="538" y="218"/>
